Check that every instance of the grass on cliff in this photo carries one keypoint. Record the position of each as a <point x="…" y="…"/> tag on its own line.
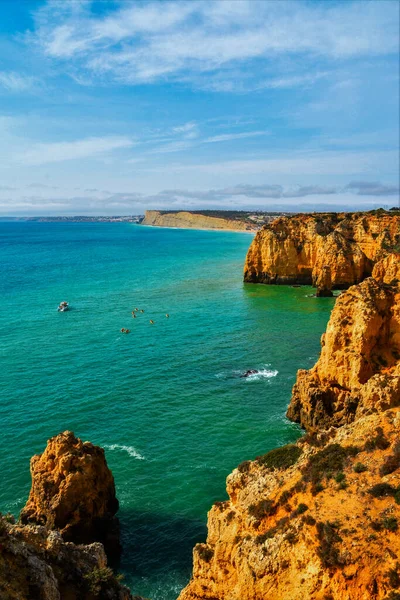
<point x="280" y="458"/>
<point x="327" y="463"/>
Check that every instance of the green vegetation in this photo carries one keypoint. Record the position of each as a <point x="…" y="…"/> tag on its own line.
<point x="244" y="467"/>
<point x="302" y="508"/>
<point x="280" y="458"/>
<point x="327" y="463"/>
<point x="328" y="538"/>
<point x="359" y="468"/>
<point x="393" y="576"/>
<point x="204" y="552"/>
<point x="381" y="490"/>
<point x="377" y="442"/>
<point x="262" y="509"/>
<point x="98" y="577"/>
<point x="392" y="462"/>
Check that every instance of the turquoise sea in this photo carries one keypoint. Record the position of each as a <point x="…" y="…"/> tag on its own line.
<point x="166" y="401"/>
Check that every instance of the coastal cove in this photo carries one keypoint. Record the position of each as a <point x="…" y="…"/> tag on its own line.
<point x="166" y="402"/>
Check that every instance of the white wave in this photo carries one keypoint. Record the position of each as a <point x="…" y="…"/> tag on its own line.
<point x="129" y="449"/>
<point x="262" y="374"/>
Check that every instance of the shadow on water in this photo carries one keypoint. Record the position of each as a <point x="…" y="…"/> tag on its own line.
<point x="155" y="543"/>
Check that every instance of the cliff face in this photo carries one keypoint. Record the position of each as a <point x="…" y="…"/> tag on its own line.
<point x="36" y="563"/>
<point x="188" y="220"/>
<point x="359" y="368"/>
<point x="295" y="250"/>
<point x="319" y="519"/>
<point x="72" y="498"/>
<point x="73" y="491"/>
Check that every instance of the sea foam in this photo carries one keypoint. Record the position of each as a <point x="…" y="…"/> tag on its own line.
<point x="129" y="449"/>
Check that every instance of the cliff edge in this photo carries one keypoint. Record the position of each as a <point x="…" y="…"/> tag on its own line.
<point x="319" y="519"/>
<point x="297" y="249"/>
<point x="192" y="220"/>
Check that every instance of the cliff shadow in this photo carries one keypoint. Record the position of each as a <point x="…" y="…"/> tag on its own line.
<point x="154" y="543"/>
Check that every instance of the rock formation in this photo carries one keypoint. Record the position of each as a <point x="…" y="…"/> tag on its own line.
<point x="36" y="563"/>
<point x="297" y="249"/>
<point x="358" y="370"/>
<point x="320" y="519"/>
<point x="73" y="491"/>
<point x="192" y="220"/>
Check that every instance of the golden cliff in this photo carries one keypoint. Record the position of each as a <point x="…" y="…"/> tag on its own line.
<point x="319" y="519"/>
<point x="47" y="555"/>
<point x="73" y="491"/>
<point x="296" y="250"/>
<point x="193" y="220"/>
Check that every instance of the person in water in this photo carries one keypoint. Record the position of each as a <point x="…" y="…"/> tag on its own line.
<point x="151" y="321"/>
<point x="167" y="315"/>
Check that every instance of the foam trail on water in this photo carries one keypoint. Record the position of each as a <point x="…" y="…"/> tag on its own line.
<point x="129" y="449"/>
<point x="263" y="374"/>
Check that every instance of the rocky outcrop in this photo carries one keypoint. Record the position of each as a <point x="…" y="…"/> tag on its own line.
<point x="319" y="519"/>
<point x="358" y="370"/>
<point x="297" y="249"/>
<point x="192" y="220"/>
<point x="73" y="492"/>
<point x="36" y="563"/>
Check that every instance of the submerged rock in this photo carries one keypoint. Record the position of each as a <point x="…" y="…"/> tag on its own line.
<point x="320" y="518"/>
<point x="73" y="492"/>
<point x="249" y="372"/>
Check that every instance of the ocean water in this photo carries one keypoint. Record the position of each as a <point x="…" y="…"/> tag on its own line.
<point x="166" y="401"/>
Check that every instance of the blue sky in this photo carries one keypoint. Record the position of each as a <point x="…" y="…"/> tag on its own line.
<point x="113" y="107"/>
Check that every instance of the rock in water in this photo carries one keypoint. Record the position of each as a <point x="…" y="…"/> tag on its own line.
<point x="324" y="282"/>
<point x="73" y="491"/>
<point x="249" y="372"/>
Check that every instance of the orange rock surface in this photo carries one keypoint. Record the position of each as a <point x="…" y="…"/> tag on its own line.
<point x="294" y="250"/>
<point x="358" y="370"/>
<point x="36" y="563"/>
<point x="320" y="519"/>
<point x="73" y="491"/>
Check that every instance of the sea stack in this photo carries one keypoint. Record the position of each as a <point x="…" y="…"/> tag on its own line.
<point x="73" y="492"/>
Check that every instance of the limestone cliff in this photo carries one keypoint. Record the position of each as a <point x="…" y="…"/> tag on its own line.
<point x="358" y="370"/>
<point x="192" y="220"/>
<point x="73" y="491"/>
<point x="295" y="250"/>
<point x="319" y="519"/>
<point x="36" y="563"/>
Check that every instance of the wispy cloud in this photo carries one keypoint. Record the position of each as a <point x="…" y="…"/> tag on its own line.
<point x="15" y="82"/>
<point x="149" y="41"/>
<point x="61" y="151"/>
<point x="234" y="136"/>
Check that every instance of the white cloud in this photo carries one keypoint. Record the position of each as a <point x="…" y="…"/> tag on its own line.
<point x="60" y="151"/>
<point x="145" y="42"/>
<point x="15" y="82"/>
<point x="234" y="136"/>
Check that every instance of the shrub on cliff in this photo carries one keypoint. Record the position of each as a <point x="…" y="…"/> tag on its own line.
<point x="327" y="551"/>
<point x="327" y="463"/>
<point x="264" y="508"/>
<point x="280" y="458"/>
<point x="392" y="462"/>
<point x="382" y="489"/>
<point x="377" y="442"/>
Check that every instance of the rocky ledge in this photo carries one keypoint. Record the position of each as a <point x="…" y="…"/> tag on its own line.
<point x="328" y="251"/>
<point x="319" y="519"/>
